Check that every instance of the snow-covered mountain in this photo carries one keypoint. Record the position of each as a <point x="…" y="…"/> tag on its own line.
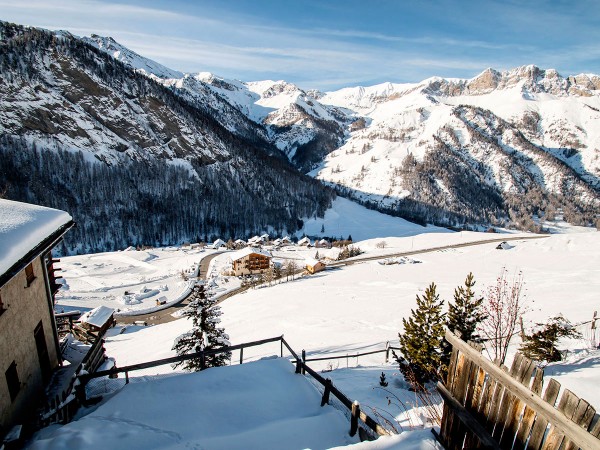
<point x="526" y="139"/>
<point x="494" y="149"/>
<point x="135" y="161"/>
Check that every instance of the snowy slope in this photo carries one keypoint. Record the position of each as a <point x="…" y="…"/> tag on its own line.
<point x="258" y="405"/>
<point x="131" y="58"/>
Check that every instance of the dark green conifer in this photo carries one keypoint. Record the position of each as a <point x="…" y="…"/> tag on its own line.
<point x="205" y="334"/>
<point x="464" y="316"/>
<point x="421" y="341"/>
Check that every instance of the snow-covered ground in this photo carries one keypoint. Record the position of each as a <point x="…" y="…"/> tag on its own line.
<point x="261" y="405"/>
<point x="360" y="307"/>
<point x="127" y="280"/>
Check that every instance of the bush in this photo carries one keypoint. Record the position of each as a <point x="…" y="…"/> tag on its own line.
<point x="541" y="345"/>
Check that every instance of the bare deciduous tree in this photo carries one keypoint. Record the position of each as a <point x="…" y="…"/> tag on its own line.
<point x="504" y="303"/>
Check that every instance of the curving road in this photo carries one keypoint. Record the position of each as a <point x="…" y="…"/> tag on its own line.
<point x="164" y="315"/>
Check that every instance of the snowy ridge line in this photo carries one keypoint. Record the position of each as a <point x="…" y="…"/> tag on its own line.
<point x="358" y="259"/>
<point x="140" y="312"/>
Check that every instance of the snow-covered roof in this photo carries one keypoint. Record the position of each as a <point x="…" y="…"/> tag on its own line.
<point x="248" y="251"/>
<point x="240" y="241"/>
<point x="23" y="227"/>
<point x="98" y="316"/>
<point x="304" y="240"/>
<point x="312" y="262"/>
<point x="219" y="242"/>
<point x="323" y="241"/>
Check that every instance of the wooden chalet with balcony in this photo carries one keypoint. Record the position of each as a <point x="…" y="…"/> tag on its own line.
<point x="250" y="261"/>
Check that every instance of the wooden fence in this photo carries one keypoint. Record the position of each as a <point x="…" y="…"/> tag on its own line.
<point x="356" y="415"/>
<point x="489" y="406"/>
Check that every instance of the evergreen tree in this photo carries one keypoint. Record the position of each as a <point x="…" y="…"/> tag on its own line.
<point x="541" y="345"/>
<point x="464" y="316"/>
<point x="421" y="341"/>
<point x="205" y="334"/>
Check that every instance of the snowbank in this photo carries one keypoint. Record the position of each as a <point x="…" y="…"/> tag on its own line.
<point x="256" y="405"/>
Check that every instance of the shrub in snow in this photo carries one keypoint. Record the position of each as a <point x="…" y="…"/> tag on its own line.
<point x="205" y="334"/>
<point x="541" y="345"/>
<point x="382" y="381"/>
<point x="504" y="304"/>
<point x="421" y="341"/>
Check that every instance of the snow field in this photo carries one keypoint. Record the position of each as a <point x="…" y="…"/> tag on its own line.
<point x="129" y="280"/>
<point x="360" y="307"/>
<point x="263" y="404"/>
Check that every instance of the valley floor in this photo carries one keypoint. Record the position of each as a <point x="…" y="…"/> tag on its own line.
<point x="360" y="307"/>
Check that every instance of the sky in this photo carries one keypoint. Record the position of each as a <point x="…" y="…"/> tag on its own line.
<point x="330" y="44"/>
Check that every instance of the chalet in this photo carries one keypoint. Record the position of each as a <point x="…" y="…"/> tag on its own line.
<point x="29" y="347"/>
<point x="314" y="265"/>
<point x="240" y="243"/>
<point x="250" y="261"/>
<point x="218" y="243"/>
<point x="323" y="243"/>
<point x="286" y="240"/>
<point x="304" y="242"/>
<point x="255" y="241"/>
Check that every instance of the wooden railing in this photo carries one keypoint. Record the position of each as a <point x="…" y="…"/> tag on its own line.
<point x="62" y="407"/>
<point x="488" y="406"/>
<point x="329" y="389"/>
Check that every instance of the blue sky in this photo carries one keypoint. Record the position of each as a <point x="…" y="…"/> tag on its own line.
<point x="332" y="44"/>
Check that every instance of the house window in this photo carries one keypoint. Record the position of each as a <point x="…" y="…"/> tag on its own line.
<point x="12" y="380"/>
<point x="29" y="274"/>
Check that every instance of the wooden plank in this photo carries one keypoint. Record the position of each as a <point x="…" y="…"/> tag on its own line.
<point x="458" y="431"/>
<point x="507" y="400"/>
<point x="541" y="423"/>
<point x="447" y="414"/>
<point x="567" y="405"/>
<point x="529" y="413"/>
<point x="472" y="405"/>
<point x="594" y="427"/>
<point x="583" y="416"/>
<point x="514" y="418"/>
<point x="448" y="438"/>
<point x="581" y="437"/>
<point x="467" y="419"/>
<point x="495" y="404"/>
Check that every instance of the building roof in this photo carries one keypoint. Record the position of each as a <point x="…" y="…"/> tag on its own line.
<point x="248" y="251"/>
<point x="312" y="262"/>
<point x="25" y="231"/>
<point x="304" y="240"/>
<point x="98" y="316"/>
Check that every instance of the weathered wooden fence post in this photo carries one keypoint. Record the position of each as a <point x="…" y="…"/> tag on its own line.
<point x="303" y="361"/>
<point x="241" y="355"/>
<point x="202" y="360"/>
<point x="325" y="399"/>
<point x="387" y="351"/>
<point x="354" y="418"/>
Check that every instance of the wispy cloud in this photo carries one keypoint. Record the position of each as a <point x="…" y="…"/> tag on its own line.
<point x="240" y="44"/>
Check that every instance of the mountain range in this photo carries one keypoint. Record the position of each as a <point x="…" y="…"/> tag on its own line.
<point x="124" y="142"/>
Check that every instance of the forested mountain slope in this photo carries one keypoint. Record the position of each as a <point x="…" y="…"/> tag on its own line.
<point x="132" y="161"/>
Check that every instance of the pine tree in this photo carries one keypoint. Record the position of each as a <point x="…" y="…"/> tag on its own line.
<point x="541" y="345"/>
<point x="421" y="341"/>
<point x="205" y="334"/>
<point x="464" y="316"/>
